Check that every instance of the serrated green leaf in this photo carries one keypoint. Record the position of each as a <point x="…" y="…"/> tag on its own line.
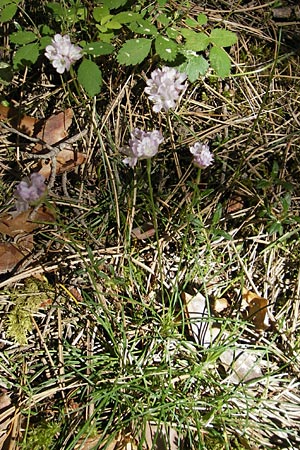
<point x="166" y="48"/>
<point x="57" y="9"/>
<point x="195" y="41"/>
<point x="163" y="19"/>
<point x="113" y="25"/>
<point x="90" y="77"/>
<point x="143" y="27"/>
<point x="172" y="33"/>
<point x="99" y="12"/>
<point x="220" y="61"/>
<point x="134" y="51"/>
<point x="202" y="19"/>
<point x="22" y="37"/>
<point x="8" y="12"/>
<point x="44" y="41"/>
<point x="191" y="22"/>
<point x="127" y="17"/>
<point x="114" y="4"/>
<point x="98" y="48"/>
<point x="26" y="55"/>
<point x="195" y="66"/>
<point x="106" y="37"/>
<point x="222" y="38"/>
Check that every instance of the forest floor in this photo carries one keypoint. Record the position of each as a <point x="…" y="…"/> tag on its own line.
<point x="158" y="307"/>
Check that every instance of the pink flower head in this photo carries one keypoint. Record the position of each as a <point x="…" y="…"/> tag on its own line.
<point x="29" y="190"/>
<point x="165" y="87"/>
<point x="202" y="155"/>
<point x="142" y="145"/>
<point x="62" y="53"/>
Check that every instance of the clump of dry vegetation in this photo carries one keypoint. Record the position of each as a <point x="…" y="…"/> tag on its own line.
<point x="155" y="306"/>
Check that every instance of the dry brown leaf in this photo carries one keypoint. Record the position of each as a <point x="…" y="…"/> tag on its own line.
<point x="257" y="309"/>
<point x="51" y="130"/>
<point x="12" y="225"/>
<point x="18" y="120"/>
<point x="66" y="160"/>
<point x="11" y="254"/>
<point x="54" y="129"/>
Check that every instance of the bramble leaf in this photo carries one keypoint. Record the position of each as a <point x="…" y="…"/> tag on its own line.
<point x="114" y="4"/>
<point x="98" y="48"/>
<point x="127" y="17"/>
<point x="99" y="12"/>
<point x="194" y="67"/>
<point x="220" y="61"/>
<point x="26" y="55"/>
<point x="195" y="41"/>
<point x="8" y="12"/>
<point x="90" y="77"/>
<point x="143" y="26"/>
<point x="202" y="19"/>
<point x="222" y="38"/>
<point x="134" y="51"/>
<point x="22" y="37"/>
<point x="166" y="48"/>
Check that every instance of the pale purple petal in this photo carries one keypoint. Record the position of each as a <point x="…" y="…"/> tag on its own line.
<point x="165" y="87"/>
<point x="202" y="155"/>
<point x="142" y="145"/>
<point x="62" y="53"/>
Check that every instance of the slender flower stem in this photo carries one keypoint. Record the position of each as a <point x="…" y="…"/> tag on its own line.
<point x="154" y="218"/>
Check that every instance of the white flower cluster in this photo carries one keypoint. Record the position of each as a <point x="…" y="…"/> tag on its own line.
<point x="62" y="53"/>
<point x="142" y="145"/>
<point x="202" y="155"/>
<point x="165" y="87"/>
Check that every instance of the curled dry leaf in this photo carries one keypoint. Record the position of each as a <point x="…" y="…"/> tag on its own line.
<point x="257" y="309"/>
<point x="66" y="160"/>
<point x="12" y="254"/>
<point x="54" y="129"/>
<point x="25" y="222"/>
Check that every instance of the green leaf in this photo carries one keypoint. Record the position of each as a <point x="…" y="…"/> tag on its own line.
<point x="195" y="66"/>
<point x="90" y="77"/>
<point x="134" y="51"/>
<point x="172" y="33"/>
<point x="202" y="19"/>
<point x="143" y="27"/>
<point x="98" y="48"/>
<point x="220" y="61"/>
<point x="6" y="73"/>
<point x="114" y="4"/>
<point x="163" y="19"/>
<point x="113" y="25"/>
<point x="166" y="48"/>
<point x="44" y="41"/>
<point x="26" y="55"/>
<point x="57" y="9"/>
<point x="191" y="22"/>
<point x="99" y="12"/>
<point x="195" y="41"/>
<point x="22" y="37"/>
<point x="222" y="38"/>
<point x="127" y="17"/>
<point x="8" y="12"/>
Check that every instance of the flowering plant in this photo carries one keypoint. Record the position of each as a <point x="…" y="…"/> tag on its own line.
<point x="29" y="190"/>
<point x="165" y="87"/>
<point x="62" y="53"/>
<point x="142" y="145"/>
<point x="202" y="155"/>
